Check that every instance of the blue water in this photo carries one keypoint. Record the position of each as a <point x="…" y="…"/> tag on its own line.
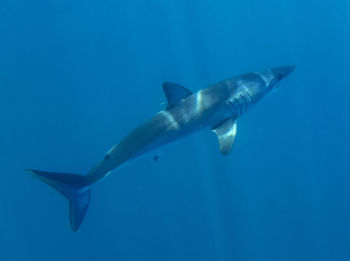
<point x="76" y="76"/>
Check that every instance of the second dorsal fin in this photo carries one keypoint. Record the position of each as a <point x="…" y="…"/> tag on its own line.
<point x="175" y="93"/>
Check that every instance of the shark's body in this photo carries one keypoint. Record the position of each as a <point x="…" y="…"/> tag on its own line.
<point x="216" y="107"/>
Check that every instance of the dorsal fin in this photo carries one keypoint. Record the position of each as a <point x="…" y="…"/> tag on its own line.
<point x="226" y="132"/>
<point x="175" y="93"/>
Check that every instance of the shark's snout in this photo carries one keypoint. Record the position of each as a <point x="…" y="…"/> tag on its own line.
<point x="282" y="72"/>
<point x="279" y="73"/>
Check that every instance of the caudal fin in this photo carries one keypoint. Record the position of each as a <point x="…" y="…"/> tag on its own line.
<point x="74" y="187"/>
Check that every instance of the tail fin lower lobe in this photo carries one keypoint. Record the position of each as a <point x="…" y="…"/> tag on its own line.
<point x="75" y="187"/>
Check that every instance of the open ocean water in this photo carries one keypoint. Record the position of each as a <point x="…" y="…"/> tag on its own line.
<point x="76" y="76"/>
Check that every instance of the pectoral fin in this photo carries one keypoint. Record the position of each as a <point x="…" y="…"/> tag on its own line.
<point x="226" y="132"/>
<point x="175" y="93"/>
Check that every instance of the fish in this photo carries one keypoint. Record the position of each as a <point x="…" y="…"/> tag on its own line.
<point x="216" y="107"/>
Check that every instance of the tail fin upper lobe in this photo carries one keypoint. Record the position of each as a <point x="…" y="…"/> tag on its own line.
<point x="75" y="187"/>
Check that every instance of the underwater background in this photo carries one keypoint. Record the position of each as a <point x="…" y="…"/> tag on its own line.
<point x="76" y="76"/>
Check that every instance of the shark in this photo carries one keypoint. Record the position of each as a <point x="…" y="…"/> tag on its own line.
<point x="216" y="107"/>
